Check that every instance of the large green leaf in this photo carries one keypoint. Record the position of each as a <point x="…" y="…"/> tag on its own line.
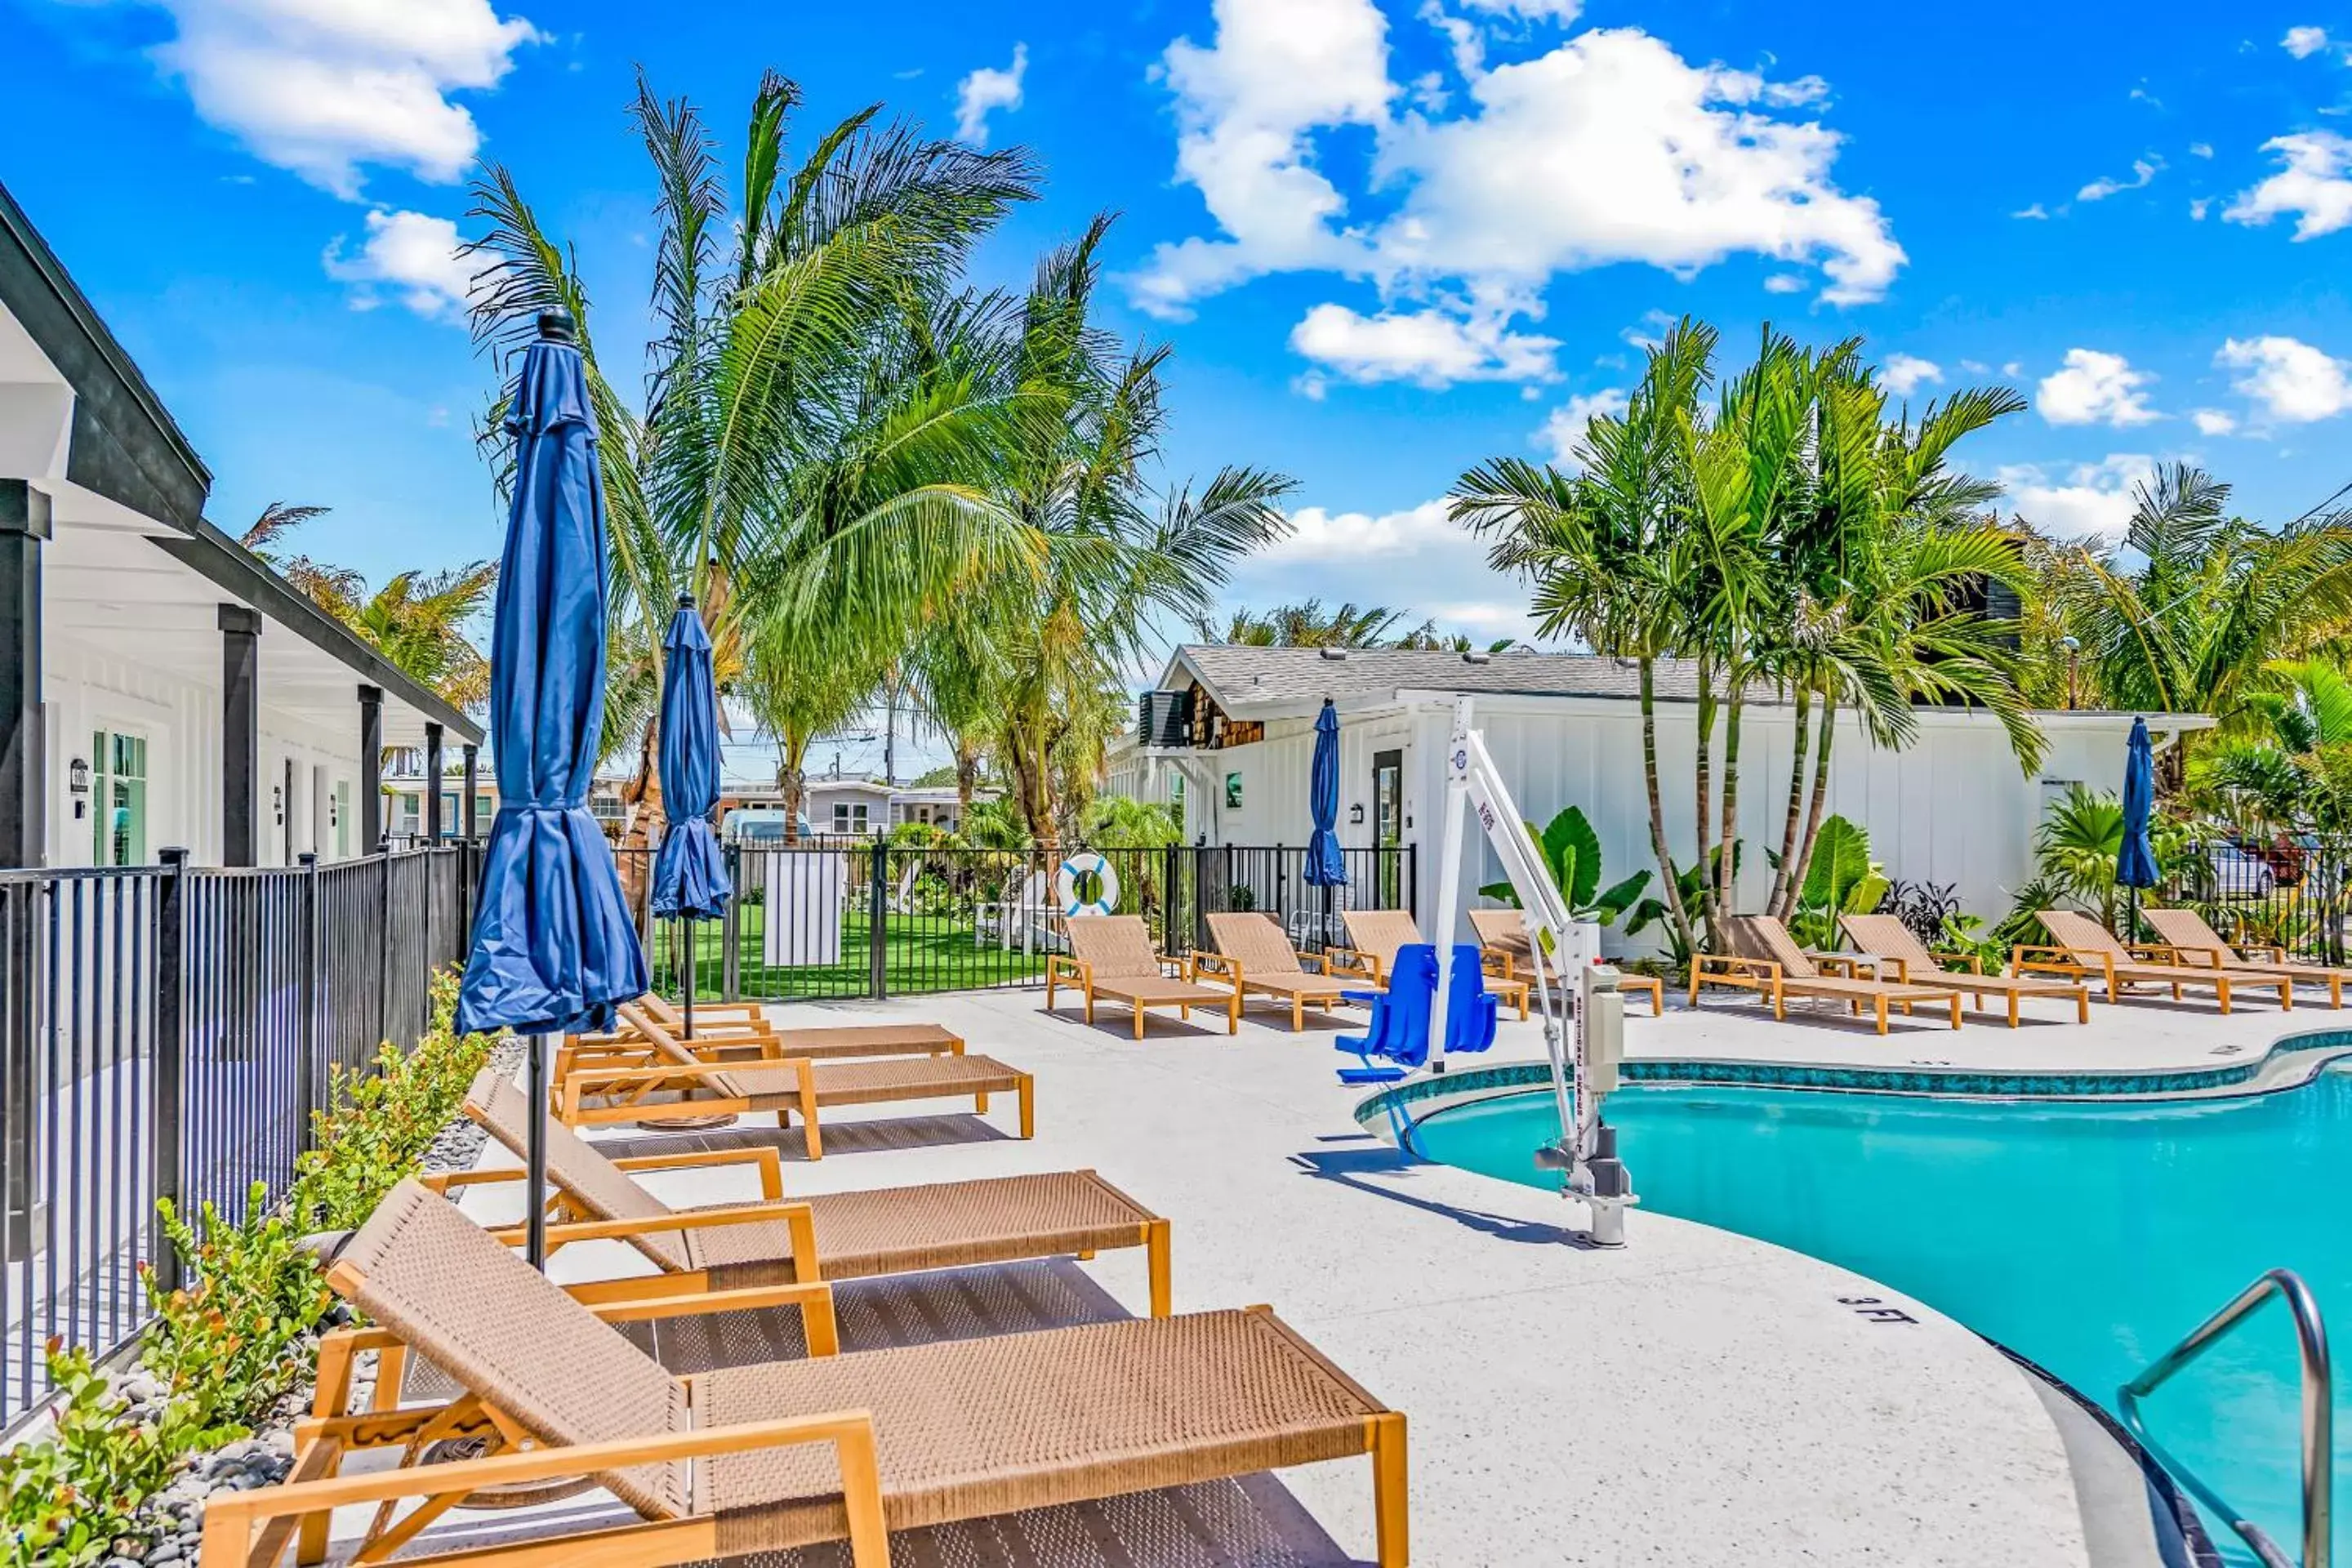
<point x="1841" y="860"/>
<point x="1573" y="851"/>
<point x="1616" y="900"/>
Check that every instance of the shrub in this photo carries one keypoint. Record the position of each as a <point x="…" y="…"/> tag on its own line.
<point x="66" y="1499"/>
<point x="225" y="1346"/>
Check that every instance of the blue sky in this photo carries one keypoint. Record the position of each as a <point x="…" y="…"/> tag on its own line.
<point x="1387" y="238"/>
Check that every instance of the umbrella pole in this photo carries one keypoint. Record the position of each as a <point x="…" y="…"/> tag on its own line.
<point x="535" y="1155"/>
<point x="693" y="962"/>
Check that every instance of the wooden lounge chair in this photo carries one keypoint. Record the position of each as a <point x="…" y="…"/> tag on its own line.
<point x="2081" y="947"/>
<point x="681" y="1086"/>
<point x="778" y="1455"/>
<point x="2196" y="941"/>
<point x="1373" y="938"/>
<point x="1767" y="960"/>
<point x="828" y="1236"/>
<point x="647" y="1042"/>
<point x="1111" y="956"/>
<point x="1253" y="956"/>
<point x="1502" y="938"/>
<point x="1886" y="938"/>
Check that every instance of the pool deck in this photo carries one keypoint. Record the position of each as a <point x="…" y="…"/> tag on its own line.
<point x="1697" y="1398"/>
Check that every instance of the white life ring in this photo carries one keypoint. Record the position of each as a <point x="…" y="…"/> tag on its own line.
<point x="1069" y="881"/>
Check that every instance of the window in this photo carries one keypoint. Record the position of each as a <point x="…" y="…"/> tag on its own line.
<point x="119" y="825"/>
<point x="849" y="818"/>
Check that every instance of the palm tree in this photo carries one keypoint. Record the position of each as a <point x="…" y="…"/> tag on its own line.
<point x="1309" y="625"/>
<point x="1597" y="545"/>
<point x="417" y="620"/>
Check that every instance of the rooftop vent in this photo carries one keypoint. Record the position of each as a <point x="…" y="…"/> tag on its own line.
<point x="1477" y="656"/>
<point x="1335" y="653"/>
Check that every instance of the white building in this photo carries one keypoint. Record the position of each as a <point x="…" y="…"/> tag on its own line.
<point x="158" y="685"/>
<point x="846" y="803"/>
<point x="1566" y="730"/>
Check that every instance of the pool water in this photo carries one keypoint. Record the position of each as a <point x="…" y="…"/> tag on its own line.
<point x="2088" y="1237"/>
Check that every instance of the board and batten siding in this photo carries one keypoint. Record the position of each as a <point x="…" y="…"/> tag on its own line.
<point x="1954" y="807"/>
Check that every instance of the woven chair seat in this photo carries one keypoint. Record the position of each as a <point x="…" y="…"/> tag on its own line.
<point x="968" y="1428"/>
<point x="874" y="1081"/>
<point x="945" y="1224"/>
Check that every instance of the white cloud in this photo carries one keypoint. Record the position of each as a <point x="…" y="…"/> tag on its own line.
<point x="1640" y="156"/>
<point x="2304" y="42"/>
<point x="1561" y="12"/>
<point x="2096" y="388"/>
<point x="2090" y="500"/>
<point x="2037" y="211"/>
<point x="323" y="87"/>
<point x="1319" y="534"/>
<point x="1904" y="374"/>
<point x="1564" y="426"/>
<point x="1429" y="348"/>
<point x="2311" y="185"/>
<point x="1784" y="283"/>
<point x="2143" y="171"/>
<point x="411" y="257"/>
<point x="2198" y="206"/>
<point x="2213" y="421"/>
<point x="2292" y="381"/>
<point x="986" y="91"/>
<point x="2200" y="149"/>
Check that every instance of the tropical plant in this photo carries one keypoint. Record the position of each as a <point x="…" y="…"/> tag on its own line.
<point x="1657" y="909"/>
<point x="1842" y="879"/>
<point x="2289" y="768"/>
<point x="1309" y="625"/>
<point x="1571" y="851"/>
<point x="2080" y="841"/>
<point x="418" y="620"/>
<point x="1924" y="907"/>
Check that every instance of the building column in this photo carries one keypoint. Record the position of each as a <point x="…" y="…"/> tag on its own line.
<point x="469" y="814"/>
<point x="24" y="751"/>
<point x="433" y="823"/>
<point x="370" y="769"/>
<point x="240" y="734"/>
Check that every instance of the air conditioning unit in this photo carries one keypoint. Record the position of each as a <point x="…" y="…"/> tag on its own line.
<point x="1164" y="719"/>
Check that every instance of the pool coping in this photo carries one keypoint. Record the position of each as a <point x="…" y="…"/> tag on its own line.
<point x="2292" y="1062"/>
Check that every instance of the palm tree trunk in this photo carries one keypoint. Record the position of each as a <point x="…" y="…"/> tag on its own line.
<point x="1671" y="885"/>
<point x="1705" y="782"/>
<point x="1729" y="837"/>
<point x="1814" y="811"/>
<point x="1797" y="760"/>
<point x="967" y="766"/>
<point x="642" y="792"/>
<point x="791" y="778"/>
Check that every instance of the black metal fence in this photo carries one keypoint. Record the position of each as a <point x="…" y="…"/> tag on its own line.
<point x="166" y="1032"/>
<point x="859" y="918"/>
<point x="2293" y="892"/>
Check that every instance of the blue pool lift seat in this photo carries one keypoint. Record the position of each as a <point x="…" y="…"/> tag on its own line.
<point x="1397" y="1040"/>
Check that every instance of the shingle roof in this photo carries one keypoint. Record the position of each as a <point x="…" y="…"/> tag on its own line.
<point x="1238" y="675"/>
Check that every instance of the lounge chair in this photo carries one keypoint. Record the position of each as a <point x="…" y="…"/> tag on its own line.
<point x="778" y="1455"/>
<point x="1253" y="956"/>
<point x="646" y="1041"/>
<point x="828" y="1236"/>
<point x="1886" y="938"/>
<point x="681" y="1086"/>
<point x="1503" y="937"/>
<point x="1767" y="960"/>
<point x="1375" y="935"/>
<point x="2081" y="947"/>
<point x="2191" y="935"/>
<point x="1111" y="956"/>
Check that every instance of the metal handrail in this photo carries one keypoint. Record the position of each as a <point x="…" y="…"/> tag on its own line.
<point x="2319" y="1415"/>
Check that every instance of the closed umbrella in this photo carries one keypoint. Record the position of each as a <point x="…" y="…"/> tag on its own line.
<point x="1326" y="868"/>
<point x="690" y="875"/>
<point x="554" y="948"/>
<point x="2136" y="859"/>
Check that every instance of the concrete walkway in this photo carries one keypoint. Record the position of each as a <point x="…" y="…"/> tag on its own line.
<point x="1697" y="1398"/>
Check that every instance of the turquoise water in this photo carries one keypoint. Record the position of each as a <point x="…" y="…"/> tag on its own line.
<point x="2087" y="1238"/>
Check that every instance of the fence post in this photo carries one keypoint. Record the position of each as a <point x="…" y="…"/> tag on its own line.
<point x="731" y="928"/>
<point x="878" y="932"/>
<point x="18" y="1024"/>
<point x="306" y="1032"/>
<point x="1413" y="878"/>
<point x="1167" y="899"/>
<point x="171" y="1055"/>
<point x="382" y="947"/>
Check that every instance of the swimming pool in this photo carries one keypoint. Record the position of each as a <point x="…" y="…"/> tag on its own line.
<point x="2088" y="1237"/>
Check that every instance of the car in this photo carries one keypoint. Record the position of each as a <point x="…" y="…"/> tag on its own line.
<point x="2238" y="873"/>
<point x="758" y="827"/>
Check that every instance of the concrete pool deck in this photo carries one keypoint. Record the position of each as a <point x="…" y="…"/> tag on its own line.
<point x="1698" y="1397"/>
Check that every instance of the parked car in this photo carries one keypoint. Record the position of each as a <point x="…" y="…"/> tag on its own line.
<point x="759" y="825"/>
<point x="2239" y="873"/>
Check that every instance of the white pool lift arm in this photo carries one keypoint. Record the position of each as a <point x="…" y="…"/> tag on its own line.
<point x="1584" y="1056"/>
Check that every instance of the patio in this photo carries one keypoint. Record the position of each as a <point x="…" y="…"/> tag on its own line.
<point x="1698" y="1397"/>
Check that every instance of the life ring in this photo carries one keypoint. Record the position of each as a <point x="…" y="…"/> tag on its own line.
<point x="1078" y="875"/>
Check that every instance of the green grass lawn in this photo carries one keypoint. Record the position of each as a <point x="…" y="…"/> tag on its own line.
<point x="921" y="954"/>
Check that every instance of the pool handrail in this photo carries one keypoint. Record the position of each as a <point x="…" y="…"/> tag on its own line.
<point x="2318" y="1417"/>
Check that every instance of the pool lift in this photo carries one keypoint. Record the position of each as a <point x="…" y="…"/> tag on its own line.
<point x="1584" y="1034"/>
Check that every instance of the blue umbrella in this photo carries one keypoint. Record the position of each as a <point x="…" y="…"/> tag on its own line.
<point x="554" y="946"/>
<point x="690" y="874"/>
<point x="1326" y="868"/>
<point x="2136" y="861"/>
